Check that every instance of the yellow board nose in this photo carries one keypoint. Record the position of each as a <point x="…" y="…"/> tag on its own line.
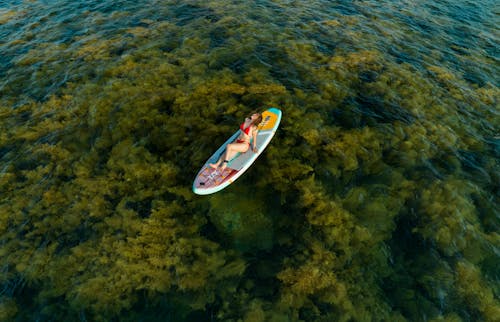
<point x="268" y="120"/>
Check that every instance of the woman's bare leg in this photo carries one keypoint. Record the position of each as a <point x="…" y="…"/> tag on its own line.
<point x="219" y="161"/>
<point x="231" y="150"/>
<point x="216" y="164"/>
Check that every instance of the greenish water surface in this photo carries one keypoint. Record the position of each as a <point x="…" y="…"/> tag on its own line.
<point x="377" y="200"/>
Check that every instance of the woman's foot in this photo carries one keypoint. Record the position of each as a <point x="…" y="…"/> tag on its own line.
<point x="213" y="165"/>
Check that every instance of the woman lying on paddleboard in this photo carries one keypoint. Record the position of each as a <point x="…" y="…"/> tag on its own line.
<point x="242" y="144"/>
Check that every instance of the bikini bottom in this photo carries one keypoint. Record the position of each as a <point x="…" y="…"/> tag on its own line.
<point x="242" y="141"/>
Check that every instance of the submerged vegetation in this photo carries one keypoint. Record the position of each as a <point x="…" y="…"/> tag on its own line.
<point x="376" y="201"/>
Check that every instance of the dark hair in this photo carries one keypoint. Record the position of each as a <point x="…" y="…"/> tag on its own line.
<point x="257" y="120"/>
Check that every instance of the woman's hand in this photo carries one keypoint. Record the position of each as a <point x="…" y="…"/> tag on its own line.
<point x="254" y="149"/>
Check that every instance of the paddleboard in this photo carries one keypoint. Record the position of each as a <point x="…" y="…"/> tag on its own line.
<point x="209" y="180"/>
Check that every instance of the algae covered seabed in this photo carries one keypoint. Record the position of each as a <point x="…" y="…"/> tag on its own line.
<point x="377" y="200"/>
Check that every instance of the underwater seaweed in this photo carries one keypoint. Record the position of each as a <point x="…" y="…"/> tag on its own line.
<point x="376" y="201"/>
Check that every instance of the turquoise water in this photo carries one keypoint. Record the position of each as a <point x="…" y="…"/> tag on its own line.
<point x="376" y="201"/>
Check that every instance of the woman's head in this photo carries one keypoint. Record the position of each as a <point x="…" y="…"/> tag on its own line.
<point x="256" y="118"/>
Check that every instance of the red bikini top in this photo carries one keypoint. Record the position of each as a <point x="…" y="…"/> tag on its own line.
<point x="243" y="128"/>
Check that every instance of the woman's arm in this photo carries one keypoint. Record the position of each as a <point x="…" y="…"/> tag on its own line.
<point x="254" y="142"/>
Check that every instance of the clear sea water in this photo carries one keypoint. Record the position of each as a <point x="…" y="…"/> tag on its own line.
<point x="376" y="201"/>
